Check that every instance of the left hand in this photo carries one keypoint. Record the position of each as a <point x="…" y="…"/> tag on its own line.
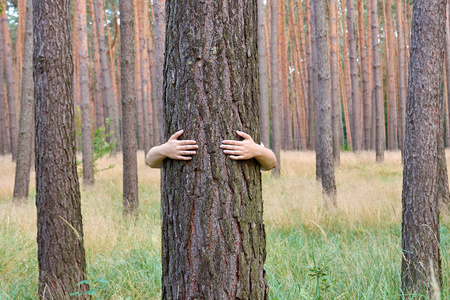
<point x="240" y="150"/>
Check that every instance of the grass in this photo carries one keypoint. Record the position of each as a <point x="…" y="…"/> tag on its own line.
<point x="351" y="253"/>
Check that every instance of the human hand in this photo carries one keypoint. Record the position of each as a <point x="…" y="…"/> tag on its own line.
<point x="178" y="149"/>
<point x="239" y="150"/>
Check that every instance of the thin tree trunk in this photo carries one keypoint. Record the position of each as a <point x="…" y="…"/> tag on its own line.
<point x="346" y="63"/>
<point x="286" y="121"/>
<point x="10" y="86"/>
<point x="76" y="67"/>
<point x="369" y="49"/>
<point x="356" y="102"/>
<point x="61" y="254"/>
<point x="111" y="59"/>
<point x="335" y="99"/>
<point x="311" y="135"/>
<point x="377" y="84"/>
<point x="392" y="141"/>
<point x="422" y="178"/>
<point x="130" y="174"/>
<point x="3" y="119"/>
<point x="275" y="87"/>
<point x="365" y="78"/>
<point x="159" y="7"/>
<point x="323" y="114"/>
<point x="213" y="231"/>
<point x="154" y="101"/>
<point x="24" y="147"/>
<point x="86" y="127"/>
<point x="138" y="82"/>
<point x="19" y="44"/>
<point x="263" y="78"/>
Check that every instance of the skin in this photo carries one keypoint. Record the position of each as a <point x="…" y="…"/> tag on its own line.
<point x="237" y="150"/>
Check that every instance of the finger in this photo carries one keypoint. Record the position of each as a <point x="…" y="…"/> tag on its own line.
<point x="233" y="152"/>
<point x="237" y="157"/>
<point x="231" y="142"/>
<point x="188" y="147"/>
<point x="230" y="147"/>
<point x="179" y="157"/>
<point x="187" y="142"/>
<point x="244" y="135"/>
<point x="187" y="152"/>
<point x="176" y="135"/>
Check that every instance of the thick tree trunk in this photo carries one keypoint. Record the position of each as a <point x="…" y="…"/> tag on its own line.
<point x="335" y="96"/>
<point x="275" y="87"/>
<point x="10" y="86"/>
<point x="263" y="78"/>
<point x="356" y="102"/>
<point x="3" y="121"/>
<point x="213" y="232"/>
<point x="421" y="261"/>
<point x="61" y="253"/>
<point x="107" y="89"/>
<point x="130" y="174"/>
<point x="159" y="7"/>
<point x="86" y="127"/>
<point x="323" y="114"/>
<point x="401" y="75"/>
<point x="24" y="148"/>
<point x="380" y="143"/>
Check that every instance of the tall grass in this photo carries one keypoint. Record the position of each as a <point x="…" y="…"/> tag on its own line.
<point x="352" y="252"/>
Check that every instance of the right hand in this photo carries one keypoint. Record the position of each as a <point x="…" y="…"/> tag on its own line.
<point x="179" y="149"/>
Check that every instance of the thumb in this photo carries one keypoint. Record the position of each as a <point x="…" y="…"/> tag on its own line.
<point x="176" y="135"/>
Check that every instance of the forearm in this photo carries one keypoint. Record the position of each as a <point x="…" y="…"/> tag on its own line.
<point x="266" y="158"/>
<point x="155" y="156"/>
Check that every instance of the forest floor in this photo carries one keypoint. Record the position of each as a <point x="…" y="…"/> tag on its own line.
<point x="353" y="252"/>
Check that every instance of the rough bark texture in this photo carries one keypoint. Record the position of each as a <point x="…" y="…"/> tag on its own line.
<point x="61" y="253"/>
<point x="275" y="86"/>
<point x="109" y="99"/>
<point x="86" y="127"/>
<point x="130" y="174"/>
<point x="421" y="261"/>
<point x="356" y="102"/>
<point x="401" y="75"/>
<point x="159" y="7"/>
<point x="24" y="147"/>
<point x="335" y="96"/>
<point x="263" y="77"/>
<point x="323" y="114"/>
<point x="212" y="210"/>
<point x="10" y="86"/>
<point x="3" y="122"/>
<point x="377" y="85"/>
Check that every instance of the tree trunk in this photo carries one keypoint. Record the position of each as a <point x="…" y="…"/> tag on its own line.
<point x="159" y="7"/>
<point x="335" y="99"/>
<point x="3" y="121"/>
<point x="275" y="87"/>
<point x="213" y="231"/>
<point x="356" y="102"/>
<point x="377" y="85"/>
<point x="24" y="148"/>
<point x="19" y="44"/>
<point x="141" y="128"/>
<point x="311" y="135"/>
<point x="364" y="77"/>
<point x="323" y="114"/>
<point x="10" y="86"/>
<point x="401" y="75"/>
<point x="86" y="127"/>
<point x="263" y="79"/>
<point x="282" y="50"/>
<point x="107" y="90"/>
<point x="392" y="137"/>
<point x="447" y="53"/>
<point x="111" y="60"/>
<point x="61" y="253"/>
<point x="369" y="102"/>
<point x="421" y="261"/>
<point x="99" y="117"/>
<point x="130" y="174"/>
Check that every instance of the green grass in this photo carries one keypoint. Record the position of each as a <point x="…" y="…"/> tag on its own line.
<point x="352" y="253"/>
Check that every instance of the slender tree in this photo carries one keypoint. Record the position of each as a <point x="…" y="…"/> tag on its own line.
<point x="421" y="261"/>
<point x="61" y="253"/>
<point x="263" y="77"/>
<point x="24" y="148"/>
<point x="159" y="8"/>
<point x="3" y="122"/>
<point x="323" y="114"/>
<point x="310" y="141"/>
<point x="364" y="78"/>
<point x="213" y="232"/>
<point x="390" y="57"/>
<point x="335" y="97"/>
<point x="401" y="75"/>
<point x="130" y="174"/>
<point x="275" y="86"/>
<point x="377" y="85"/>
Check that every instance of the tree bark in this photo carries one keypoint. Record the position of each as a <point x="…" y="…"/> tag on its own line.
<point x="263" y="78"/>
<point x="275" y="87"/>
<point x="107" y="90"/>
<point x="130" y="174"/>
<point x="159" y="7"/>
<point x="335" y="97"/>
<point x="61" y="253"/>
<point x="213" y="232"/>
<point x="421" y="261"/>
<point x="24" y="148"/>
<point x="377" y="85"/>
<point x="10" y="86"/>
<point x="323" y="114"/>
